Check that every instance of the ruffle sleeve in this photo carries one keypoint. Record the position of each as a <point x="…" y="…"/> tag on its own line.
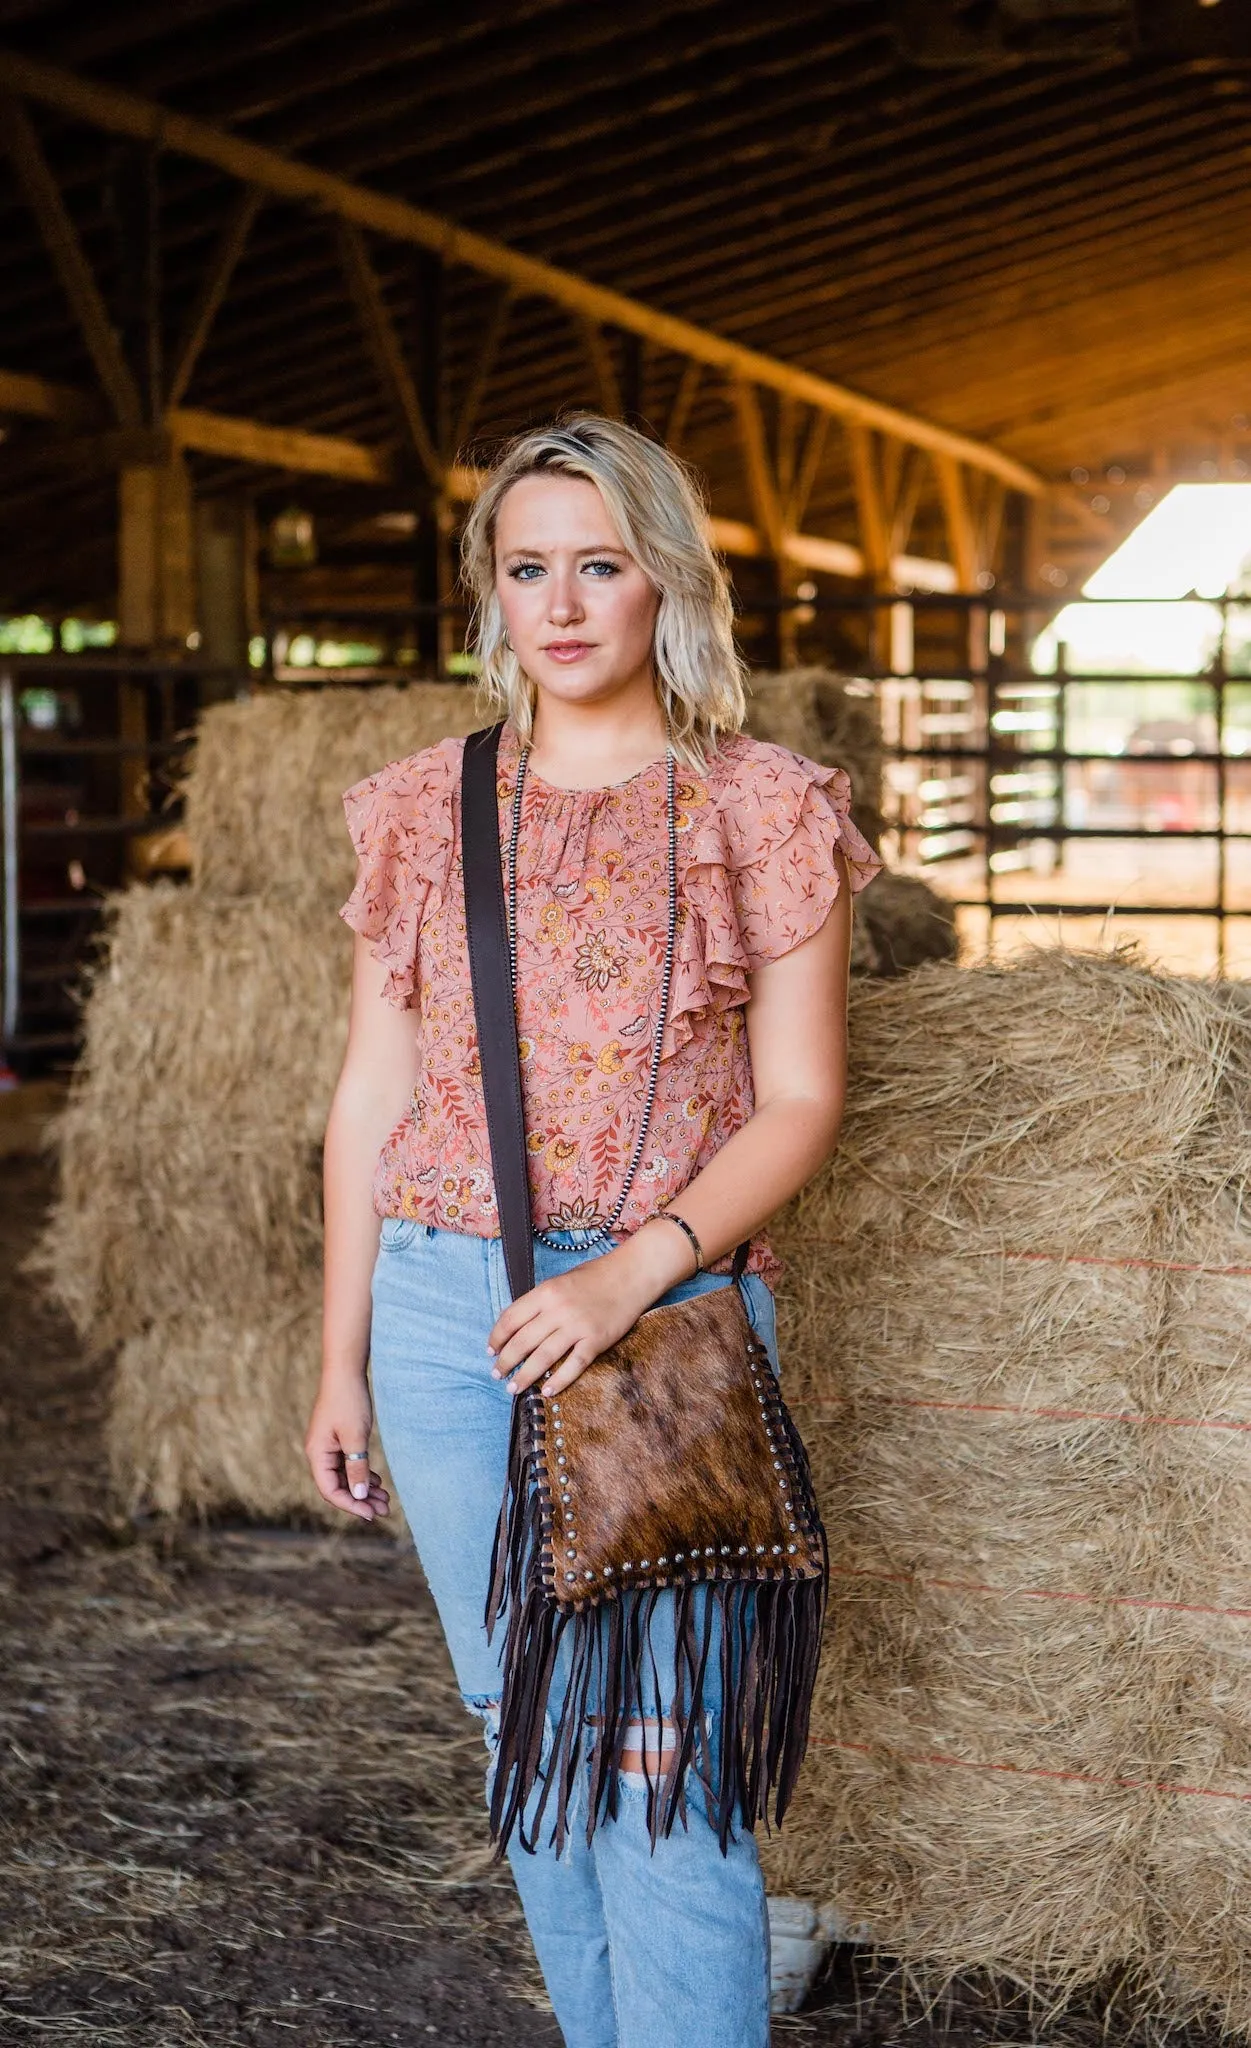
<point x="402" y="827"/>
<point x="760" y="875"/>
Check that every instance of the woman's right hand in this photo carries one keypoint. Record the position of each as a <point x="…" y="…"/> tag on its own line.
<point x="341" y="1423"/>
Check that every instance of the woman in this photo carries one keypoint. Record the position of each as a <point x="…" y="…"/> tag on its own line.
<point x="603" y="625"/>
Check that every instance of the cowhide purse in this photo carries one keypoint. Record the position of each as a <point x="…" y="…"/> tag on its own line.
<point x="671" y="1464"/>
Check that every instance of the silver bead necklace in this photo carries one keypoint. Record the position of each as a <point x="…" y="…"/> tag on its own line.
<point x="606" y="1228"/>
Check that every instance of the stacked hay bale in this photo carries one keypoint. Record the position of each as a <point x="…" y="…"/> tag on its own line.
<point x="189" y="1223"/>
<point x="1028" y="1400"/>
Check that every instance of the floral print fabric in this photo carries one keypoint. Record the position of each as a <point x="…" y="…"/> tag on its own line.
<point x="757" y="835"/>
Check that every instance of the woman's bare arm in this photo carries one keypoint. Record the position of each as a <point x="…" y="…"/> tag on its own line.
<point x="797" y="1032"/>
<point x="375" y="1084"/>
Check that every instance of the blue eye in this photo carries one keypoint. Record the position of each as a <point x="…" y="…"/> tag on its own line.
<point x="523" y="572"/>
<point x="609" y="568"/>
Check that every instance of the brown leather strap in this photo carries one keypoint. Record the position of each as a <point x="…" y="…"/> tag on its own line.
<point x="494" y="1009"/>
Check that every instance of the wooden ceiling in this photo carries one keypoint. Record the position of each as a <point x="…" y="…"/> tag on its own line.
<point x="1029" y="222"/>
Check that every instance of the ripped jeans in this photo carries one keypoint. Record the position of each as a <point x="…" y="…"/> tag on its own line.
<point x="638" y="1950"/>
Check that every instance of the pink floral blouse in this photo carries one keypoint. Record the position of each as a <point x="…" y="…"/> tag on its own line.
<point x="756" y="837"/>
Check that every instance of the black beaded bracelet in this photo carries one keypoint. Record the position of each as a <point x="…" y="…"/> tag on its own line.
<point x="671" y="1216"/>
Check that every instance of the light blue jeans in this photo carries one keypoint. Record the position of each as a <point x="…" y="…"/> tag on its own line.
<point x="638" y="1949"/>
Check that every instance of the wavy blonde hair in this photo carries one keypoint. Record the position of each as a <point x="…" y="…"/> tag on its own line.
<point x="658" y="510"/>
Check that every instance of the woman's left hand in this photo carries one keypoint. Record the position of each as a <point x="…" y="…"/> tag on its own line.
<point x="563" y="1325"/>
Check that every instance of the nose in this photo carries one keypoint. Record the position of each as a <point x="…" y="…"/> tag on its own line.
<point x="564" y="598"/>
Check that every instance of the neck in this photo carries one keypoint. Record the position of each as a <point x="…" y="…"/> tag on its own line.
<point x="584" y="744"/>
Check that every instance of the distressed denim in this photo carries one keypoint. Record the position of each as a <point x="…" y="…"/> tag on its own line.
<point x="639" y="1949"/>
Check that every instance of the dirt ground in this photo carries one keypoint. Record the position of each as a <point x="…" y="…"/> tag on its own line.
<point x="239" y="1798"/>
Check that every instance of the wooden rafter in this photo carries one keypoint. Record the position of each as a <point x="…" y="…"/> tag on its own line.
<point x="760" y="478"/>
<point x="903" y="492"/>
<point x="807" y="468"/>
<point x="61" y="241"/>
<point x="125" y="113"/>
<point x="599" y="355"/>
<point x="213" y="433"/>
<point x="483" y="364"/>
<point x="961" y="528"/>
<point x="213" y="289"/>
<point x="40" y="399"/>
<point x="870" y="501"/>
<point x="683" y="399"/>
<point x="384" y="346"/>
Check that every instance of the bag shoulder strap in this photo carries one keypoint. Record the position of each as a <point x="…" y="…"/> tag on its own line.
<point x="495" y="1013"/>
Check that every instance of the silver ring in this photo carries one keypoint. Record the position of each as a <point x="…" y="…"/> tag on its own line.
<point x="349" y="1456"/>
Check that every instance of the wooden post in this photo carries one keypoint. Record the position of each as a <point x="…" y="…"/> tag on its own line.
<point x="156" y="598"/>
<point x="225" y="533"/>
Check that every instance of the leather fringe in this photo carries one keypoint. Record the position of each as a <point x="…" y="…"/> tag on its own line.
<point x="769" y="1647"/>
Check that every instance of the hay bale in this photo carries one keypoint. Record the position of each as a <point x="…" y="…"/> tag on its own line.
<point x="1014" y="1675"/>
<point x="190" y="1141"/>
<point x="209" y="1408"/>
<point x="263" y="797"/>
<point x="904" y="923"/>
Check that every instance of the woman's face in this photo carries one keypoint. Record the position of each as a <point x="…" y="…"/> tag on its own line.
<point x="579" y="610"/>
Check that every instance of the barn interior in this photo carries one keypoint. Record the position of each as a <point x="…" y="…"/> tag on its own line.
<point x="942" y="300"/>
<point x="947" y="304"/>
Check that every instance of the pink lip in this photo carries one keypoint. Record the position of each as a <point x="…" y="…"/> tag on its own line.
<point x="567" y="650"/>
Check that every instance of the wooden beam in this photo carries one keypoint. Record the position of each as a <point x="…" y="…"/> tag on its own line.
<point x="213" y="433"/>
<point x="384" y="346"/>
<point x="870" y="508"/>
<point x="38" y="399"/>
<point x="808" y="467"/>
<point x="213" y="289"/>
<point x="599" y="355"/>
<point x="482" y="366"/>
<point x="683" y="399"/>
<point x="760" y="478"/>
<point x="123" y="113"/>
<point x="961" y="531"/>
<point x="61" y="241"/>
<point x="902" y="496"/>
<point x="991" y="506"/>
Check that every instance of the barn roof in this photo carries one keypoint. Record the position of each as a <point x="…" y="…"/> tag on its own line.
<point x="1026" y="221"/>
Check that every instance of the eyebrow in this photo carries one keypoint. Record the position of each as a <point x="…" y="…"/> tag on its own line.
<point x="607" y="549"/>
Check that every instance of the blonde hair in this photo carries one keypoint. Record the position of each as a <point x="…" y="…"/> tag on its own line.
<point x="659" y="513"/>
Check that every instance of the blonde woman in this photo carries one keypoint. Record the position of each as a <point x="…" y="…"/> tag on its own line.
<point x="603" y="624"/>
